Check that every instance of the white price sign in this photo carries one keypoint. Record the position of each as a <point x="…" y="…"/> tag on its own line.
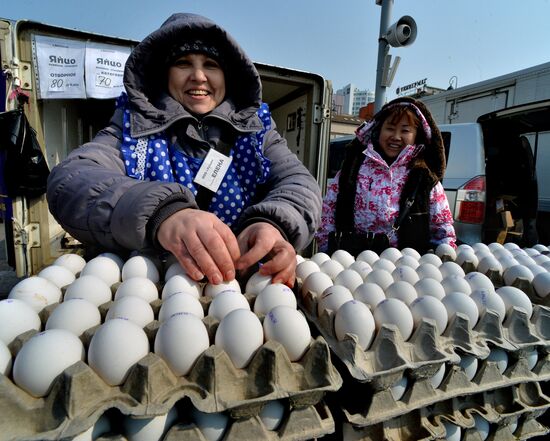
<point x="105" y="69"/>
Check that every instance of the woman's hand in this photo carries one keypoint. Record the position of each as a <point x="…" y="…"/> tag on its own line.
<point x="203" y="244"/>
<point x="262" y="239"/>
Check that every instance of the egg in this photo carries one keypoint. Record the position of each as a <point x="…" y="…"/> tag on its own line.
<point x="489" y="300"/>
<point x="103" y="267"/>
<point x="405" y="274"/>
<point x="306" y="268"/>
<point x="332" y="268"/>
<point x="411" y="252"/>
<point x="431" y="308"/>
<point x="343" y="257"/>
<point x="211" y="290"/>
<point x="445" y="251"/>
<point x="16" y="317"/>
<point x="514" y="297"/>
<point x="316" y="283"/>
<point x="525" y="260"/>
<point x="257" y="282"/>
<point x="132" y="308"/>
<point x="362" y="267"/>
<point x="180" y="302"/>
<point x="299" y="259"/>
<point x="401" y="290"/>
<point x="392" y="254"/>
<point x="58" y="275"/>
<point x="541" y="258"/>
<point x="480" y="247"/>
<point x="349" y="278"/>
<point x="429" y="270"/>
<point x="36" y="292"/>
<point x="354" y="317"/>
<point x="114" y="257"/>
<point x="43" y="357"/>
<point x="5" y="359"/>
<point x="469" y="364"/>
<point x="398" y="389"/>
<point x="541" y="248"/>
<point x="115" y="348"/>
<point x="478" y="280"/>
<point x="383" y="264"/>
<point x="467" y="257"/>
<point x="394" y="312"/>
<point x="541" y="283"/>
<point x="451" y="268"/>
<point x="459" y="302"/>
<point x="481" y="426"/>
<point x="140" y="266"/>
<point x="139" y="287"/>
<point x="90" y="288"/>
<point x="240" y="334"/>
<point x="464" y="247"/>
<point x="536" y="270"/>
<point x="71" y="261"/>
<point x="507" y="262"/>
<point x="182" y="283"/>
<point x="211" y="425"/>
<point x="225" y="302"/>
<point x="454" y="283"/>
<point x="511" y="246"/>
<point x="381" y="277"/>
<point x="368" y="256"/>
<point x="74" y="315"/>
<point x="180" y="341"/>
<point x="332" y="298"/>
<point x="173" y="269"/>
<point x="429" y="287"/>
<point x="517" y="272"/>
<point x="274" y="295"/>
<point x="319" y="258"/>
<point x="289" y="327"/>
<point x="532" y="357"/>
<point x="148" y="429"/>
<point x="493" y="246"/>
<point x="500" y="357"/>
<point x="407" y="261"/>
<point x="369" y="293"/>
<point x="489" y="263"/>
<point x="452" y="431"/>
<point x="272" y="414"/>
<point x="513" y="425"/>
<point x="437" y="378"/>
<point x="434" y="259"/>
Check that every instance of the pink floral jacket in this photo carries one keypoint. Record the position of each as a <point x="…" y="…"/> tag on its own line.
<point x="377" y="200"/>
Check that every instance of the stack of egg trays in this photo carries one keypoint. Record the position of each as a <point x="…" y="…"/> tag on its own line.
<point x="78" y="396"/>
<point x="374" y="371"/>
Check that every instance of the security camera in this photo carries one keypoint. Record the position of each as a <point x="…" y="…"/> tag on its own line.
<point x="402" y="32"/>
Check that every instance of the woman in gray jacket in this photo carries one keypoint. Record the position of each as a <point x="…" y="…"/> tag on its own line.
<point x="190" y="163"/>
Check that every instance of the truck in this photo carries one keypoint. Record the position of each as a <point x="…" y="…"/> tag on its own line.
<point x="497" y="139"/>
<point x="30" y="238"/>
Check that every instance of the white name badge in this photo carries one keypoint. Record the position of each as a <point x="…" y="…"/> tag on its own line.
<point x="213" y="169"/>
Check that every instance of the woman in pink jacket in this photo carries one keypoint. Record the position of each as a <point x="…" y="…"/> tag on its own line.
<point x="389" y="192"/>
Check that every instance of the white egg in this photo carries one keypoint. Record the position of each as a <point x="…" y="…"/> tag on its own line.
<point x="392" y="254"/>
<point x="103" y="267"/>
<point x="514" y="297"/>
<point x="299" y="259"/>
<point x="452" y="431"/>
<point x="507" y="262"/>
<point x="368" y="256"/>
<point x="405" y="274"/>
<point x="316" y="283"/>
<point x="225" y="302"/>
<point x="467" y="257"/>
<point x="525" y="260"/>
<point x="43" y="357"/>
<point x="493" y="246"/>
<point x="444" y="250"/>
<point x="479" y="281"/>
<point x="257" y="282"/>
<point x="274" y="295"/>
<point x="411" y="252"/>
<point x="451" y="268"/>
<point x="431" y="308"/>
<point x="500" y="357"/>
<point x="469" y="364"/>
<point x="132" y="308"/>
<point x="115" y="348"/>
<point x="454" y="283"/>
<point x="332" y="268"/>
<point x="381" y="277"/>
<point x="434" y="259"/>
<point x="511" y="246"/>
<point x="272" y="414"/>
<point x="513" y="425"/>
<point x="90" y="288"/>
<point x="180" y="341"/>
<point x="541" y="258"/>
<point x="464" y="247"/>
<point x="517" y="272"/>
<point x="398" y="389"/>
<point x="304" y="269"/>
<point x="536" y="270"/>
<point x="289" y="327"/>
<point x="148" y="429"/>
<point x="211" y="290"/>
<point x="74" y="315"/>
<point x="71" y="261"/>
<point x="437" y="378"/>
<point x="362" y="267"/>
<point x="401" y="290"/>
<point x="58" y="275"/>
<point x="320" y="257"/>
<point x="429" y="270"/>
<point x="114" y="257"/>
<point x="407" y="261"/>
<point x="180" y="302"/>
<point x="459" y="302"/>
<point x="481" y="426"/>
<point x="139" y="287"/>
<point x="489" y="300"/>
<point x="211" y="425"/>
<point x="532" y="357"/>
<point x="429" y="287"/>
<point x="349" y="278"/>
<point x="173" y="269"/>
<point x="546" y="265"/>
<point x="489" y="263"/>
<point x="240" y="334"/>
<point x="181" y="283"/>
<point x="369" y="293"/>
<point x="5" y="359"/>
<point x="343" y="257"/>
<point x="480" y="246"/>
<point x="16" y="317"/>
<point x="383" y="264"/>
<point x="36" y="292"/>
<point x="541" y="283"/>
<point x="394" y="312"/>
<point x="332" y="298"/>
<point x="354" y="317"/>
<point x="140" y="266"/>
<point x="541" y="248"/>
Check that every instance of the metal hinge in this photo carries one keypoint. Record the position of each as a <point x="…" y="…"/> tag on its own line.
<point x="320" y="113"/>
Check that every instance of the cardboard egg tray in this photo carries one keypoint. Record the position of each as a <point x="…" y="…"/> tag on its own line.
<point x="151" y="388"/>
<point x="522" y="404"/>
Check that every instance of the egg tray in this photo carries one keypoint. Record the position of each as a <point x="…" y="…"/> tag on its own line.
<point x="523" y="403"/>
<point x="151" y="388"/>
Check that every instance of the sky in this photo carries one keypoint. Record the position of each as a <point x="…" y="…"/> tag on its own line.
<point x="471" y="40"/>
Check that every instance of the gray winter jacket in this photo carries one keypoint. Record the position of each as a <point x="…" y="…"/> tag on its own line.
<point x="91" y="196"/>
